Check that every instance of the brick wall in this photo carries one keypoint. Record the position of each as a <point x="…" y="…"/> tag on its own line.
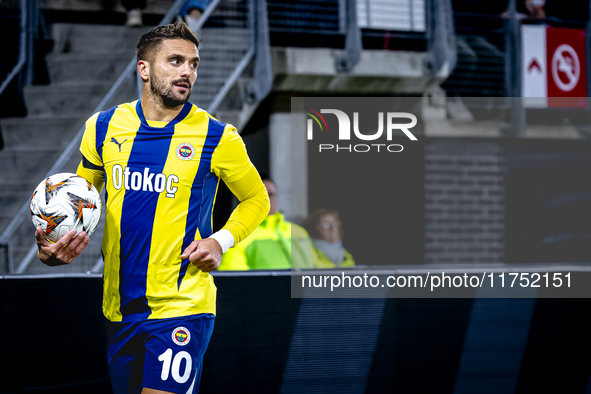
<point x="464" y="201"/>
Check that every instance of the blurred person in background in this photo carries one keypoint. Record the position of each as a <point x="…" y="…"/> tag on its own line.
<point x="536" y="8"/>
<point x="274" y="244"/>
<point x="324" y="226"/>
<point x="190" y="12"/>
<point x="530" y="9"/>
<point x="134" y="9"/>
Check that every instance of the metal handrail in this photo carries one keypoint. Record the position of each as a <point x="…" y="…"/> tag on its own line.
<point x="348" y="59"/>
<point x="213" y="106"/>
<point x="22" y="60"/>
<point x="22" y="55"/>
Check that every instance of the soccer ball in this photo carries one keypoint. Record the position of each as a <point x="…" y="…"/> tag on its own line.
<point x="64" y="202"/>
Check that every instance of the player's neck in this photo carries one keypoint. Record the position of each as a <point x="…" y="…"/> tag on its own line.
<point x="155" y="111"/>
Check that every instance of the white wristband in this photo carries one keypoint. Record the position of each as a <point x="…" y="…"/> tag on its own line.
<point x="224" y="238"/>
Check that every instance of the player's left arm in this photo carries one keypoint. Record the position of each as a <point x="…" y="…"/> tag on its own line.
<point x="231" y="163"/>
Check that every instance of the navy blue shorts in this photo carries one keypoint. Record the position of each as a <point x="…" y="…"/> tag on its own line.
<point x="161" y="354"/>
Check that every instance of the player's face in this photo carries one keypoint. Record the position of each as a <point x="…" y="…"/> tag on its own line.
<point x="272" y="191"/>
<point x="174" y="71"/>
<point x="329" y="227"/>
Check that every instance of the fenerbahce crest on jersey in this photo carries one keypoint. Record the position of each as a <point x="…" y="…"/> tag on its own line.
<point x="161" y="180"/>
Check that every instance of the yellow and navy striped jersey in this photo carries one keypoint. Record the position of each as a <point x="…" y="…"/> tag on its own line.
<point x="161" y="181"/>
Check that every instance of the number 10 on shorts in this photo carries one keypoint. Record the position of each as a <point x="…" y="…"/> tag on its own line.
<point x="172" y="366"/>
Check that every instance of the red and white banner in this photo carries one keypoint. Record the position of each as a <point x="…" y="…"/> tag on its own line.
<point x="554" y="66"/>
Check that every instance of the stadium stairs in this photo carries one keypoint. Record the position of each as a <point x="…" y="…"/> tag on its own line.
<point x="85" y="62"/>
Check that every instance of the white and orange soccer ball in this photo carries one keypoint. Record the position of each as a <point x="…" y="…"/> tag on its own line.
<point x="64" y="202"/>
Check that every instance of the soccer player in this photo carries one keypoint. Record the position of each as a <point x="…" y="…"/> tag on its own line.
<point x="160" y="160"/>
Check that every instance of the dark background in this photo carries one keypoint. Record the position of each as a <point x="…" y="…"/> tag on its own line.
<point x="54" y="341"/>
<point x="548" y="187"/>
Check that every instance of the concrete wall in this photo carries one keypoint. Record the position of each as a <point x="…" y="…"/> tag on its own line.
<point x="464" y="201"/>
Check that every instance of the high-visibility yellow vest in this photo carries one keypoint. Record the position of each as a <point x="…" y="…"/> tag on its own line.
<point x="275" y="244"/>
<point x="322" y="261"/>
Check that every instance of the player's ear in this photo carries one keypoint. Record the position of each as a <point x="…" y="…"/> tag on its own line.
<point x="143" y="68"/>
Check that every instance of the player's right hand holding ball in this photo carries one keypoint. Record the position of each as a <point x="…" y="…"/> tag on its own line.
<point x="64" y="251"/>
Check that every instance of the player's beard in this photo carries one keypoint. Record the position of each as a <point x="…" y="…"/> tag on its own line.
<point x="165" y="91"/>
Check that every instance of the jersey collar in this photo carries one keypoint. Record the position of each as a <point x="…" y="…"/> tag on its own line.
<point x="184" y="112"/>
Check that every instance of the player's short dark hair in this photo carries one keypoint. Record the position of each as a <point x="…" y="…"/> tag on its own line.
<point x="149" y="41"/>
<point x="311" y="223"/>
